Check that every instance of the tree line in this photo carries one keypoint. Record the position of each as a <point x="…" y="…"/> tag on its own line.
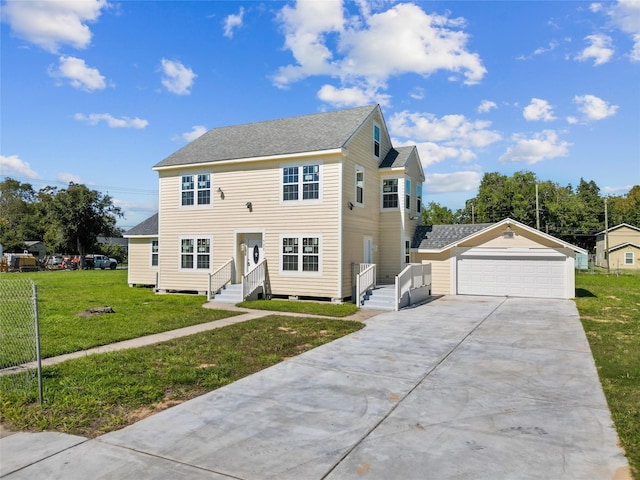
<point x="572" y="214"/>
<point x="67" y="220"/>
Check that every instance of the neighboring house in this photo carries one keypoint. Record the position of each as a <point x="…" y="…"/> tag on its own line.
<point x="503" y="258"/>
<point x="36" y="248"/>
<point x="623" y="247"/>
<point x="123" y="242"/>
<point x="143" y="252"/>
<point x="315" y="196"/>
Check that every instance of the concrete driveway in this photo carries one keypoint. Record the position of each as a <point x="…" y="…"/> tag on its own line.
<point x="460" y="388"/>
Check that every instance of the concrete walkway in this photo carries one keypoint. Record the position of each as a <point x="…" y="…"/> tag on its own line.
<point x="463" y="387"/>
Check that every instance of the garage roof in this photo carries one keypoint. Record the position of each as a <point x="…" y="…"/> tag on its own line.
<point x="438" y="238"/>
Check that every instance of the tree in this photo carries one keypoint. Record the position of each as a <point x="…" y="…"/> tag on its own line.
<point x="18" y="222"/>
<point x="625" y="208"/>
<point x="435" y="214"/>
<point x="78" y="216"/>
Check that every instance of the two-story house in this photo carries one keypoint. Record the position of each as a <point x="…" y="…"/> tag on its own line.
<point x="618" y="247"/>
<point x="313" y="195"/>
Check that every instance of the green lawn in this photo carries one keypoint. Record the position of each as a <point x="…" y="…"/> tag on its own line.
<point x="99" y="393"/>
<point x="609" y="308"/>
<point x="138" y="311"/>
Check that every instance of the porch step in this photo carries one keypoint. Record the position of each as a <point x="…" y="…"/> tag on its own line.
<point x="231" y="293"/>
<point x="381" y="297"/>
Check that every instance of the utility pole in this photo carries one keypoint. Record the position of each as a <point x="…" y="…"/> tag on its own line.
<point x="473" y="214"/>
<point x="537" y="209"/>
<point x="606" y="234"/>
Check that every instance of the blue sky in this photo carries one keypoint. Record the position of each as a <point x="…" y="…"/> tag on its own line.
<point x="99" y="91"/>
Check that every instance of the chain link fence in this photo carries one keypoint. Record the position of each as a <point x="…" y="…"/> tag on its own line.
<point x="20" y="362"/>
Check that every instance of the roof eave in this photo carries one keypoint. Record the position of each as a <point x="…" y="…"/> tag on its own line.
<point x="235" y="161"/>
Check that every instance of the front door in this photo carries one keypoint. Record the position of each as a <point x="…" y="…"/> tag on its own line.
<point x="254" y="253"/>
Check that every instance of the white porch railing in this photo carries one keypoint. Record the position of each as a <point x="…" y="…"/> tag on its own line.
<point x="220" y="278"/>
<point x="256" y="278"/>
<point x="365" y="280"/>
<point x="416" y="276"/>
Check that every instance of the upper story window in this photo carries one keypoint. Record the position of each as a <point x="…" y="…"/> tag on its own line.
<point x="407" y="194"/>
<point x="419" y="199"/>
<point x="196" y="189"/>
<point x="154" y="253"/>
<point x="359" y="185"/>
<point x="376" y="140"/>
<point x="390" y="193"/>
<point x="305" y="178"/>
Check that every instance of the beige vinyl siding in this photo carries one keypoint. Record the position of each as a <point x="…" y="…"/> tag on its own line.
<point x="623" y="235"/>
<point x="616" y="258"/>
<point x="440" y="270"/>
<point x="227" y="218"/>
<point x="521" y="239"/>
<point x="140" y="271"/>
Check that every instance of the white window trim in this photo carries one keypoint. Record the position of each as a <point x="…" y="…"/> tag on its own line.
<point x="195" y="239"/>
<point x="195" y="190"/>
<point x="633" y="259"/>
<point x="355" y="186"/>
<point x="300" y="200"/>
<point x="407" y="192"/>
<point x="382" y="207"/>
<point x="151" y="265"/>
<point x="300" y="272"/>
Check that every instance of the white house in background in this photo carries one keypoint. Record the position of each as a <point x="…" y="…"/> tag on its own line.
<point x="306" y="199"/>
<point x="503" y="258"/>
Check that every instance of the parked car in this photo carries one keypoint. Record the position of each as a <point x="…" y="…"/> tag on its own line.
<point x="102" y="262"/>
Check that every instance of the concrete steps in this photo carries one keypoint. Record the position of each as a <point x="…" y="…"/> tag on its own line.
<point x="231" y="293"/>
<point x="381" y="297"/>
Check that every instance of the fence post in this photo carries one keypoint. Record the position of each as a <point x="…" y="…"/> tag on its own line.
<point x="38" y="355"/>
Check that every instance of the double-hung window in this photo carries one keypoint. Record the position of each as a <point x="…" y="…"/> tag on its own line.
<point x="628" y="258"/>
<point x="390" y="193"/>
<point x="195" y="253"/>
<point x="407" y="194"/>
<point x="196" y="189"/>
<point x="154" y="253"/>
<point x="300" y="253"/>
<point x="376" y="140"/>
<point x="359" y="185"/>
<point x="305" y="178"/>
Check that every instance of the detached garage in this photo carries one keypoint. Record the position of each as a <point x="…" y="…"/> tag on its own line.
<point x="506" y="258"/>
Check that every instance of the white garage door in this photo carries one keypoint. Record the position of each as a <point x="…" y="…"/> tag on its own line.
<point x="514" y="276"/>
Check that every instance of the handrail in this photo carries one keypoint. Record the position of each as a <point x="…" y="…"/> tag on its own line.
<point x="412" y="277"/>
<point x="256" y="278"/>
<point x="220" y="277"/>
<point x="365" y="280"/>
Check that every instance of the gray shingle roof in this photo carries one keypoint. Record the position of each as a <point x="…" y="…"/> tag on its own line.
<point x="436" y="237"/>
<point x="148" y="227"/>
<point x="307" y="133"/>
<point x="397" y="157"/>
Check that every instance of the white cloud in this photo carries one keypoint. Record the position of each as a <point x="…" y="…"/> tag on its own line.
<point x="177" y="78"/>
<point x="432" y="153"/>
<point x="595" y="7"/>
<point x="626" y="15"/>
<point x="452" y="182"/>
<point x="617" y="190"/>
<point x="79" y="74"/>
<point x="635" y="52"/>
<point x="13" y="165"/>
<point x="486" y="106"/>
<point x="538" y="109"/>
<point x="543" y="145"/>
<point x="196" y="131"/>
<point x="594" y="108"/>
<point x="51" y="24"/>
<point x="452" y="130"/>
<point x="600" y="49"/>
<point x="233" y="22"/>
<point x="351" y="96"/>
<point x="65" y="177"/>
<point x="111" y="121"/>
<point x="572" y="120"/>
<point x="358" y="51"/>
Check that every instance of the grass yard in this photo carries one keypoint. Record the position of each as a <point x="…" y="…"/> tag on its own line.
<point x="609" y="308"/>
<point x="100" y="393"/>
<point x="138" y="311"/>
